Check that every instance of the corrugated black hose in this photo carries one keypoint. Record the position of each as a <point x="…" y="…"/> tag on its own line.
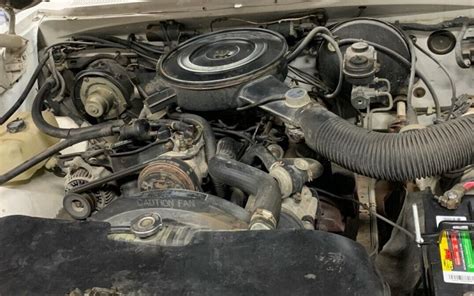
<point x="398" y="157"/>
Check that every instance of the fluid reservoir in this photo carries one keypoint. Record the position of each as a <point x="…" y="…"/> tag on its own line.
<point x="20" y="140"/>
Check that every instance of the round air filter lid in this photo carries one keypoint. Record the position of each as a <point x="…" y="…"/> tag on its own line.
<point x="222" y="58"/>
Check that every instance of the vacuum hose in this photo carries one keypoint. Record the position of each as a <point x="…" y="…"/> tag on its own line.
<point x="397" y="157"/>
<point x="266" y="208"/>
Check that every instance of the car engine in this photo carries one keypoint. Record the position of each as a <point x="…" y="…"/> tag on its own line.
<point x="245" y="127"/>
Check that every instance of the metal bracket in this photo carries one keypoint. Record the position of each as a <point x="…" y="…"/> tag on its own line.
<point x="464" y="60"/>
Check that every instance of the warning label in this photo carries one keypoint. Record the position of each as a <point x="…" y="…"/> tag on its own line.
<point x="457" y="256"/>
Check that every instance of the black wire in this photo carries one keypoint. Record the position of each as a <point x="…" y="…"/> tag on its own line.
<point x="303" y="78"/>
<point x="308" y="78"/>
<point x="298" y="80"/>
<point x="62" y="43"/>
<point x="99" y="40"/>
<point x="411" y="81"/>
<point x="111" y="41"/>
<point x="139" y="51"/>
<point x="340" y="57"/>
<point x="457" y="22"/>
<point x="145" y="46"/>
<point x="321" y="88"/>
<point x="305" y="41"/>
<point x="234" y="133"/>
<point x="141" y="149"/>
<point x="149" y="48"/>
<point x="459" y="172"/>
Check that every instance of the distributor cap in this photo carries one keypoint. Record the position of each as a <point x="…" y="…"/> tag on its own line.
<point x="222" y="58"/>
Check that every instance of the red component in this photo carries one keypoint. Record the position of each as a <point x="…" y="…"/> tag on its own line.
<point x="447" y="255"/>
<point x="468" y="185"/>
<point x="456" y="251"/>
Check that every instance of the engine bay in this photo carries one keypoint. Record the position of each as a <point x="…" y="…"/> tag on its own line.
<point x="275" y="126"/>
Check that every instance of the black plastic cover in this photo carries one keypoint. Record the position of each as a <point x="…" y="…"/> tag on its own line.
<point x="53" y="257"/>
<point x="222" y="58"/>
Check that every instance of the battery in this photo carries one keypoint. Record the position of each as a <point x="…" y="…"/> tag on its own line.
<point x="449" y="256"/>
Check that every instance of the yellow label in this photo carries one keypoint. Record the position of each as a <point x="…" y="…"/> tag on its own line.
<point x="446" y="256"/>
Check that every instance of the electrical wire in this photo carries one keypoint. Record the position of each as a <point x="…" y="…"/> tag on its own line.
<point x="98" y="40"/>
<point x="380" y="217"/>
<point x="85" y="43"/>
<point x="139" y="51"/>
<point x="141" y="149"/>
<point x="112" y="41"/>
<point x="340" y="80"/>
<point x="308" y="78"/>
<point x="149" y="48"/>
<point x="304" y="43"/>
<point x="459" y="172"/>
<point x="457" y="22"/>
<point x="234" y="133"/>
<point x="326" y="34"/>
<point x="451" y="81"/>
<point x="411" y="81"/>
<point x="290" y="19"/>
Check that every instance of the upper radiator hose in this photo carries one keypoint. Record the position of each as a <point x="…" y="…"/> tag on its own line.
<point x="266" y="207"/>
<point x="398" y="157"/>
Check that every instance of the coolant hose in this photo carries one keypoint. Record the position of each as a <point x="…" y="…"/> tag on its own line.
<point x="404" y="156"/>
<point x="227" y="148"/>
<point x="266" y="209"/>
<point x="100" y="130"/>
<point x="258" y="152"/>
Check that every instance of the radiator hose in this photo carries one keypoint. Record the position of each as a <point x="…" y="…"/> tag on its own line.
<point x="404" y="156"/>
<point x="265" y="209"/>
